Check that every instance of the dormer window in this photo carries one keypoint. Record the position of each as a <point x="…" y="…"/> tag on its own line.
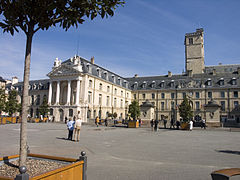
<point x="209" y="82"/>
<point x="98" y="72"/>
<point x="162" y="84"/>
<point x="221" y="82"/>
<point x="172" y="83"/>
<point x="135" y="85"/>
<point x="234" y="81"/>
<point x="153" y="85"/>
<point x="119" y="81"/>
<point x="106" y="75"/>
<point x="88" y="67"/>
<point x="113" y="78"/>
<point x="144" y="84"/>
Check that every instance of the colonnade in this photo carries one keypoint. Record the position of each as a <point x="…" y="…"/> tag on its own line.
<point x="58" y="92"/>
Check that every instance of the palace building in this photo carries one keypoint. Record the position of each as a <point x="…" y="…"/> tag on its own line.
<point x="79" y="84"/>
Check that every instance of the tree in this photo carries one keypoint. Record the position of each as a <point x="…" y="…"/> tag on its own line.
<point x="31" y="16"/>
<point x="2" y="100"/>
<point x="44" y="108"/>
<point x="185" y="110"/>
<point x="12" y="105"/>
<point x="134" y="110"/>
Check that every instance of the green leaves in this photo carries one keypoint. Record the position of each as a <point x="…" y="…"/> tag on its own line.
<point x="134" y="109"/>
<point x="185" y="110"/>
<point x="30" y="15"/>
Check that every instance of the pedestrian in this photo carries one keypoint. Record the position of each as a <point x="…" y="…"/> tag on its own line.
<point x="165" y="123"/>
<point x="70" y="126"/>
<point x="97" y="121"/>
<point x="172" y="123"/>
<point x="152" y="123"/>
<point x="156" y="124"/>
<point x="77" y="127"/>
<point x="178" y="124"/>
<point x="203" y="124"/>
<point x="106" y="122"/>
<point x="66" y="120"/>
<point x="190" y="125"/>
<point x="140" y="122"/>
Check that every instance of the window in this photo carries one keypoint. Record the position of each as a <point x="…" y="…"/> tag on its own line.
<point x="144" y="84"/>
<point x="107" y="103"/>
<point x="153" y="95"/>
<point x="143" y="96"/>
<point x="172" y="95"/>
<point x="38" y="100"/>
<point x="162" y="95"/>
<point x="115" y="102"/>
<point x="222" y="94"/>
<point x="190" y="40"/>
<point x="235" y="103"/>
<point x="209" y="94"/>
<point x="90" y="83"/>
<point x="222" y="105"/>
<point x="183" y="94"/>
<point x="197" y="105"/>
<point x="197" y="94"/>
<point x="235" y="94"/>
<point x="221" y="82"/>
<point x="127" y="95"/>
<point x="162" y="84"/>
<point x="100" y="99"/>
<point x="172" y="84"/>
<point x="51" y="111"/>
<point x="121" y="93"/>
<point x="89" y="96"/>
<point x="100" y="86"/>
<point x="209" y="82"/>
<point x="70" y="112"/>
<point x="108" y="88"/>
<point x="121" y="105"/>
<point x="98" y="72"/>
<point x="115" y="91"/>
<point x="162" y="105"/>
<point x="172" y="105"/>
<point x="32" y="99"/>
<point x="134" y="96"/>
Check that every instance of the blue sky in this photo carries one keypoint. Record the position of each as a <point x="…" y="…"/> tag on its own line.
<point x="145" y="37"/>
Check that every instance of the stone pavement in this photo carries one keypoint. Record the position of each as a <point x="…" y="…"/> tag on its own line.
<point x="134" y="154"/>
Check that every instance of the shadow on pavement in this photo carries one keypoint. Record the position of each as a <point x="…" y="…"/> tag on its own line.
<point x="229" y="152"/>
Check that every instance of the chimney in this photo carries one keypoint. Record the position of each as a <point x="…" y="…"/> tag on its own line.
<point x="214" y="72"/>
<point x="169" y="74"/>
<point x="92" y="60"/>
<point x="136" y="75"/>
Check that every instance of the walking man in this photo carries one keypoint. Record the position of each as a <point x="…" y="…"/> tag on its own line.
<point x="77" y="127"/>
<point x="70" y="126"/>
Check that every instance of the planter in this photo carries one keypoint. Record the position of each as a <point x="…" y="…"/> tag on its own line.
<point x="75" y="169"/>
<point x="185" y="126"/>
<point x="133" y="124"/>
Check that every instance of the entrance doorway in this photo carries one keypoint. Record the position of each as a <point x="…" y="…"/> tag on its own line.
<point x="61" y="115"/>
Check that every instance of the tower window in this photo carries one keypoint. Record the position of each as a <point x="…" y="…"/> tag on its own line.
<point x="190" y="40"/>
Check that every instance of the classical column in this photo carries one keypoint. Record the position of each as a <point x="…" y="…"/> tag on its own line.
<point x="58" y="92"/>
<point x="78" y="91"/>
<point x="50" y="94"/>
<point x="69" y="92"/>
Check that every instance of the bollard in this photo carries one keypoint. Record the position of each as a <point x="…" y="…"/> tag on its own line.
<point x="83" y="157"/>
<point x="23" y="175"/>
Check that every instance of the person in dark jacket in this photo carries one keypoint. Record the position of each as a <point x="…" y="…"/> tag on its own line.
<point x="156" y="124"/>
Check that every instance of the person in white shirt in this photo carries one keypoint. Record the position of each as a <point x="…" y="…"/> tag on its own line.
<point x="191" y="125"/>
<point x="77" y="127"/>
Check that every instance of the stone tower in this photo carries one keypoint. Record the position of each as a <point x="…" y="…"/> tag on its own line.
<point x="194" y="52"/>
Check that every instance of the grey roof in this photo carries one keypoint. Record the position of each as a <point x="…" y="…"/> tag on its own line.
<point x="42" y="84"/>
<point x="220" y="80"/>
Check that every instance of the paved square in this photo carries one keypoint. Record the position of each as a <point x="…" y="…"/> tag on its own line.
<point x="133" y="154"/>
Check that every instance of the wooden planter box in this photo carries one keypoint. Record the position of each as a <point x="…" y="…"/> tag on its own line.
<point x="75" y="170"/>
<point x="133" y="124"/>
<point x="185" y="126"/>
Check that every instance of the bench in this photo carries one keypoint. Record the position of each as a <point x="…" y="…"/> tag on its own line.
<point x="225" y="174"/>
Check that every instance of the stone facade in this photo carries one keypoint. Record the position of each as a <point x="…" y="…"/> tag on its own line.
<point x="80" y="85"/>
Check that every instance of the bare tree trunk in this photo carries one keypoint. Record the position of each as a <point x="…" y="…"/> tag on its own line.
<point x="23" y="130"/>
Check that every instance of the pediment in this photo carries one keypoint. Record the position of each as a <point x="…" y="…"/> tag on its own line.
<point x="64" y="70"/>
